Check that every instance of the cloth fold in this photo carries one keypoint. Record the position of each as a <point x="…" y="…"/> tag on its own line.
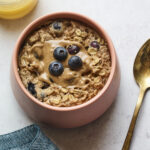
<point x="28" y="138"/>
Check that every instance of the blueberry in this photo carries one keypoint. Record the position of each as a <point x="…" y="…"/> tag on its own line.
<point x="57" y="25"/>
<point x="56" y="68"/>
<point x="31" y="88"/>
<point x="95" y="44"/>
<point x="73" y="49"/>
<point x="75" y="62"/>
<point x="60" y="53"/>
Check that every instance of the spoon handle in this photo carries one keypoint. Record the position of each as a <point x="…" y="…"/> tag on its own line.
<point x="127" y="141"/>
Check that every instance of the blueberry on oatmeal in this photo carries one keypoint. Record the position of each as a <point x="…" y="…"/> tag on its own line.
<point x="75" y="62"/>
<point x="57" y="25"/>
<point x="60" y="53"/>
<point x="73" y="49"/>
<point x="95" y="44"/>
<point x="31" y="88"/>
<point x="56" y="68"/>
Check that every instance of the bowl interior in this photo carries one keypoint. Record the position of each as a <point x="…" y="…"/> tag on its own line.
<point x="65" y="15"/>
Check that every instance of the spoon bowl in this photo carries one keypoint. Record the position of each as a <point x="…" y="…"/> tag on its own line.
<point x="141" y="67"/>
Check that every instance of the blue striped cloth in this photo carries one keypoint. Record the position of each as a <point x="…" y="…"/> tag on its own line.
<point x="28" y="138"/>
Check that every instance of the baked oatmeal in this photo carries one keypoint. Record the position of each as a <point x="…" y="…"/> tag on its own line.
<point x="64" y="63"/>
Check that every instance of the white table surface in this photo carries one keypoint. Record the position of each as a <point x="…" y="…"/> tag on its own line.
<point x="128" y="24"/>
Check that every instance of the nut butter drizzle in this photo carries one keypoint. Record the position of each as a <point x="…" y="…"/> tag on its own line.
<point x="42" y="55"/>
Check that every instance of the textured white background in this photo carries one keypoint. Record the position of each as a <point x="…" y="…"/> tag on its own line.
<point x="128" y="24"/>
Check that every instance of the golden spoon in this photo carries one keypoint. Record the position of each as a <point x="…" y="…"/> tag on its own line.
<point x="141" y="72"/>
